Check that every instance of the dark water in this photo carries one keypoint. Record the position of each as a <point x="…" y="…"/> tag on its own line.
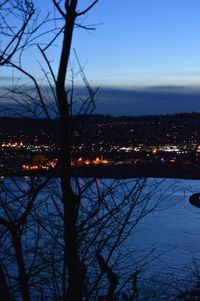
<point x="172" y="232"/>
<point x="165" y="242"/>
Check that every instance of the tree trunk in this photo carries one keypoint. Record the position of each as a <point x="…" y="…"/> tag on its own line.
<point x="72" y="283"/>
<point x="23" y="280"/>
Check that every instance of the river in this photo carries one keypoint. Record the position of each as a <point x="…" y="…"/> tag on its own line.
<point x="168" y="238"/>
<point x="172" y="231"/>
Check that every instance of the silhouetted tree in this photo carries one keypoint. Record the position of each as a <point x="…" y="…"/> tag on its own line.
<point x="60" y="236"/>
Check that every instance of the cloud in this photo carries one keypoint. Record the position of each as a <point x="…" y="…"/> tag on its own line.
<point x="5" y="78"/>
<point x="136" y="101"/>
<point x="151" y="100"/>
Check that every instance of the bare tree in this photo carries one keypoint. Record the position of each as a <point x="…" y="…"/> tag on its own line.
<point x="60" y="237"/>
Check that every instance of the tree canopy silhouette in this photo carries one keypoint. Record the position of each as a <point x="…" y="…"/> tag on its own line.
<point x="60" y="236"/>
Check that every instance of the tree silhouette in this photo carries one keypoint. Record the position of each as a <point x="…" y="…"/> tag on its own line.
<point x="60" y="235"/>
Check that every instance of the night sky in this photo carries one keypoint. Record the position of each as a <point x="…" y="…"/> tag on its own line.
<point x="145" y="55"/>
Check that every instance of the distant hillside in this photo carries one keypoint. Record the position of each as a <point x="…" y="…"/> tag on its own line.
<point x="123" y="130"/>
<point x="12" y="124"/>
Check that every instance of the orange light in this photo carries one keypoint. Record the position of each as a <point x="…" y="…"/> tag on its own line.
<point x="87" y="162"/>
<point x="96" y="161"/>
<point x="154" y="151"/>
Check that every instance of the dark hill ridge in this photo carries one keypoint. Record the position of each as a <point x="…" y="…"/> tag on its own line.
<point x="123" y="130"/>
<point x="12" y="123"/>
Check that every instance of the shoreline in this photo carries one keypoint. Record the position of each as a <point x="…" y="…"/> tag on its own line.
<point x="125" y="171"/>
<point x="121" y="171"/>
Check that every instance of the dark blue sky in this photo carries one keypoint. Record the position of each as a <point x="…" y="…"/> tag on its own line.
<point x="136" y="43"/>
<point x="138" y="47"/>
<point x="139" y="42"/>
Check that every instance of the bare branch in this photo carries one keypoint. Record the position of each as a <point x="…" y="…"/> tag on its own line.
<point x="59" y="8"/>
<point x="87" y="9"/>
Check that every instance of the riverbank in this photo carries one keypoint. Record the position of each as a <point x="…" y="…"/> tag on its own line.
<point x="124" y="171"/>
<point x="121" y="171"/>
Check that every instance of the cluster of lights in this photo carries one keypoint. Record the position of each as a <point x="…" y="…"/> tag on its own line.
<point x="18" y="145"/>
<point x="170" y="148"/>
<point x="12" y="144"/>
<point x="40" y="166"/>
<point x="81" y="161"/>
<point x="52" y="164"/>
